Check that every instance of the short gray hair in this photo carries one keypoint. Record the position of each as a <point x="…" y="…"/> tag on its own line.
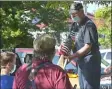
<point x="44" y="46"/>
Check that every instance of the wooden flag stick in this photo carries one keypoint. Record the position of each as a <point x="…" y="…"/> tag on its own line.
<point x="65" y="63"/>
<point x="62" y="62"/>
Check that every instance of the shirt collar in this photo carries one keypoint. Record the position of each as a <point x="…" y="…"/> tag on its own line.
<point x="37" y="62"/>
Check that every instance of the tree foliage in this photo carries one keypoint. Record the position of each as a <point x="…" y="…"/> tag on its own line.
<point x="105" y="39"/>
<point x="54" y="14"/>
<point x="13" y="29"/>
<point x="105" y="13"/>
<point x="16" y="19"/>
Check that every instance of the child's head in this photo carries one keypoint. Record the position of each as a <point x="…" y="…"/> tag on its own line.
<point x="7" y="60"/>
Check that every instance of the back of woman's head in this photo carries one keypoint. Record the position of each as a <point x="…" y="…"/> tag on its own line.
<point x="44" y="46"/>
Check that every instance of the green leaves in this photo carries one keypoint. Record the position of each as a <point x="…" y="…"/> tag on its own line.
<point x="106" y="40"/>
<point x="105" y="14"/>
<point x="16" y="19"/>
<point x="10" y="13"/>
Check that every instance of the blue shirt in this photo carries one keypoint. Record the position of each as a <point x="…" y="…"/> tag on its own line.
<point x="6" y="81"/>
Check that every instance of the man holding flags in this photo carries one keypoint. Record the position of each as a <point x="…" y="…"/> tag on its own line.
<point x="84" y="34"/>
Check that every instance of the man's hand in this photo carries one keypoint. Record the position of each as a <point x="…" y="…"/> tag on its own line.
<point x="70" y="57"/>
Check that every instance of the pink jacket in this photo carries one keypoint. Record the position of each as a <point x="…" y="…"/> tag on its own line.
<point x="49" y="77"/>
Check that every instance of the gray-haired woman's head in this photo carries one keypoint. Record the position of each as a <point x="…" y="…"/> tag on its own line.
<point x="44" y="47"/>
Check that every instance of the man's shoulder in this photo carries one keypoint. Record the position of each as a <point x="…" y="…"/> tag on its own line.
<point x="89" y="22"/>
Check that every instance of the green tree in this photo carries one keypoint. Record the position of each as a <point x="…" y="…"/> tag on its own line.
<point x="12" y="27"/>
<point x="54" y="14"/>
<point x="105" y="39"/>
<point x="105" y="13"/>
<point x="16" y="19"/>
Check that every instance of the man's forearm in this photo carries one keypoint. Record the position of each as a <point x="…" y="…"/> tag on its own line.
<point x="84" y="50"/>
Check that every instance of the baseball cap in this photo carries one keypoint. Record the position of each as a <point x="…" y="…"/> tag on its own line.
<point x="75" y="7"/>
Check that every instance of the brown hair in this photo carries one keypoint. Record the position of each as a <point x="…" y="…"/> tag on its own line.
<point x="6" y="57"/>
<point x="44" y="46"/>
